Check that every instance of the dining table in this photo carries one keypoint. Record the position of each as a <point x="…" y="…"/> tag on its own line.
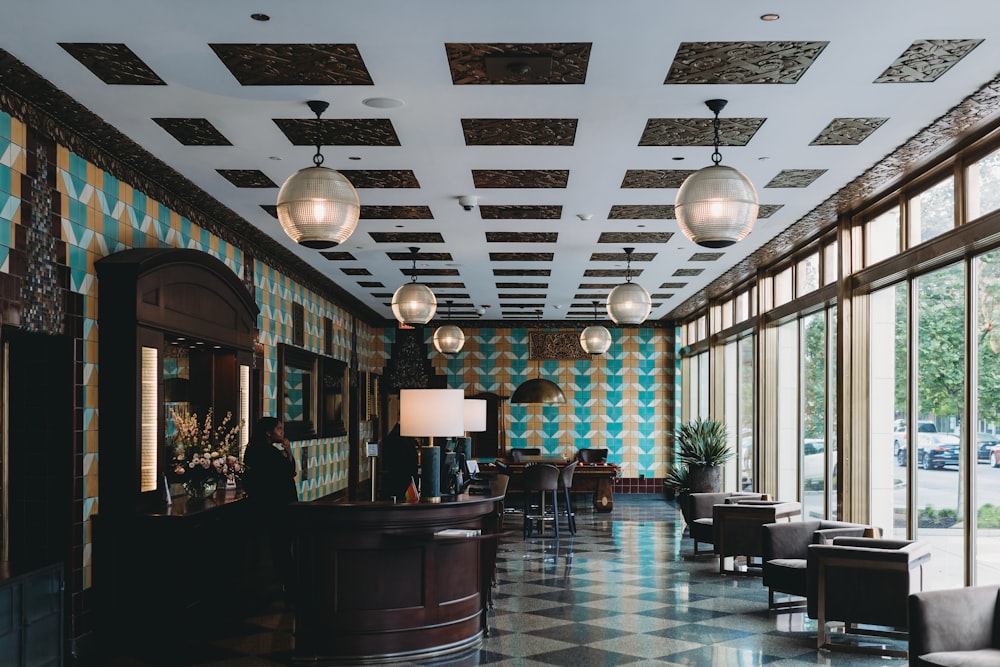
<point x="595" y="479"/>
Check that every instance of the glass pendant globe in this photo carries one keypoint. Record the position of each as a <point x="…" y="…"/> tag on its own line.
<point x="414" y="303"/>
<point x="716" y="206"/>
<point x="318" y="207"/>
<point x="449" y="339"/>
<point x="595" y="339"/>
<point x="629" y="303"/>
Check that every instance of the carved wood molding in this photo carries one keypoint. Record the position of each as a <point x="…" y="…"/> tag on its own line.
<point x="555" y="345"/>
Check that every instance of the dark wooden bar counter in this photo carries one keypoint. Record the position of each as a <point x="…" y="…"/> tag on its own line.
<point x="376" y="582"/>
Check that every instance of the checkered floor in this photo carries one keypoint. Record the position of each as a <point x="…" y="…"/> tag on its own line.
<point x="624" y="590"/>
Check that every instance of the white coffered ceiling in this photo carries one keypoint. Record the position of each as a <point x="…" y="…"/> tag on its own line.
<point x="571" y="161"/>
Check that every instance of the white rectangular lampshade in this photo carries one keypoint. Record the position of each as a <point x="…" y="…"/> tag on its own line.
<point x="431" y="413"/>
<point x="475" y="415"/>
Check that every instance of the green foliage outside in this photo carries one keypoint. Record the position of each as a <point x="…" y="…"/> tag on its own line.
<point x="932" y="518"/>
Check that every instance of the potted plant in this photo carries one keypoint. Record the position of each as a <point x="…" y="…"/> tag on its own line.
<point x="702" y="447"/>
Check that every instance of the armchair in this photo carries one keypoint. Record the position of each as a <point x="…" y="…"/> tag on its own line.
<point x="861" y="580"/>
<point x="698" y="513"/>
<point x="783" y="552"/>
<point x="955" y="627"/>
<point x="737" y="527"/>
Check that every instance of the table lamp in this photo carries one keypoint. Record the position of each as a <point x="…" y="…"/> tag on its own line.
<point x="431" y="413"/>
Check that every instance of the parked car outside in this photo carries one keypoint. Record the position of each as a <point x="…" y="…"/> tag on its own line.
<point x="938" y="450"/>
<point x="989" y="449"/>
<point x="899" y="434"/>
<point x="813" y="460"/>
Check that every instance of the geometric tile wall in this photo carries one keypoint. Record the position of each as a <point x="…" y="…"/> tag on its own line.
<point x="623" y="400"/>
<point x="101" y="215"/>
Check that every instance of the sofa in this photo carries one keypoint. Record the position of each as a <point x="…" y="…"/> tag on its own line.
<point x="957" y="627"/>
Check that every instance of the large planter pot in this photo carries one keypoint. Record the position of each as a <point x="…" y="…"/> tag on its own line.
<point x="704" y="479"/>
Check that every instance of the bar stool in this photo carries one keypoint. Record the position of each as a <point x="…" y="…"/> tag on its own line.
<point x="565" y="483"/>
<point x="540" y="478"/>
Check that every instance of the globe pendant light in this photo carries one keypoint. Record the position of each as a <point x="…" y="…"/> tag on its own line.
<point x="595" y="339"/>
<point x="317" y="206"/>
<point x="413" y="303"/>
<point x="449" y="339"/>
<point x="716" y="206"/>
<point x="629" y="303"/>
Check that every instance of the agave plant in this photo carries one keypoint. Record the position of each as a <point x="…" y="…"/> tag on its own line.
<point x="677" y="478"/>
<point x="702" y="447"/>
<point x="703" y="442"/>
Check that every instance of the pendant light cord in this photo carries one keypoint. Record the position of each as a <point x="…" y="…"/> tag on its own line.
<point x="716" y="156"/>
<point x="413" y="272"/>
<point x="318" y="107"/>
<point x="628" y="264"/>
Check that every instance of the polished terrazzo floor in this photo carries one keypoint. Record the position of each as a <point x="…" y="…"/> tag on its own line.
<point x="625" y="590"/>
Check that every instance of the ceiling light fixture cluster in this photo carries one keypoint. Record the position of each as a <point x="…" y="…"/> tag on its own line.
<point x="629" y="303"/>
<point x="716" y="206"/>
<point x="414" y="303"/>
<point x="317" y="206"/>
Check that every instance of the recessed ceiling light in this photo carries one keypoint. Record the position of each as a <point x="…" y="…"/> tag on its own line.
<point x="274" y="157"/>
<point x="382" y="102"/>
<point x="769" y="17"/>
<point x="354" y="157"/>
<point x="260" y="17"/>
<point x="677" y="158"/>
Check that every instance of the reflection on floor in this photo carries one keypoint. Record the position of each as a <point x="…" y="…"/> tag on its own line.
<point x="624" y="590"/>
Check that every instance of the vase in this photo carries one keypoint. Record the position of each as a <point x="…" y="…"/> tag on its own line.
<point x="703" y="479"/>
<point x="200" y="488"/>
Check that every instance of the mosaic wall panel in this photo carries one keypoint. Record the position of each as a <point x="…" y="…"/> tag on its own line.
<point x="623" y="400"/>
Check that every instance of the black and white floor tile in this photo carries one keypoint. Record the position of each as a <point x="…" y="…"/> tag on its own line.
<point x="625" y="590"/>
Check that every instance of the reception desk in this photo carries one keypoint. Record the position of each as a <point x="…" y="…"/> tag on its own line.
<point x="377" y="582"/>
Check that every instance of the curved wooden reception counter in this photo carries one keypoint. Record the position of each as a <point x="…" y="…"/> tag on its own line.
<point x="380" y="582"/>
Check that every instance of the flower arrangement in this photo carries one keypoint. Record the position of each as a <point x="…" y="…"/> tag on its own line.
<point x="205" y="455"/>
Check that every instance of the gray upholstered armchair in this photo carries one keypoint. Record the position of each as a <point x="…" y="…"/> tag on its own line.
<point x="955" y="627"/>
<point x="861" y="580"/>
<point x="699" y="513"/>
<point x="783" y="550"/>
<point x="737" y="527"/>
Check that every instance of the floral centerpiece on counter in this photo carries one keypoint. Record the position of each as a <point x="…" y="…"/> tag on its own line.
<point x="205" y="456"/>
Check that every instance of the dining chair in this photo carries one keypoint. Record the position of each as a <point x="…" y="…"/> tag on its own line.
<point x="541" y="479"/>
<point x="565" y="483"/>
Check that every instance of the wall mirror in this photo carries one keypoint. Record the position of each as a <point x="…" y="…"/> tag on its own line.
<point x="312" y="397"/>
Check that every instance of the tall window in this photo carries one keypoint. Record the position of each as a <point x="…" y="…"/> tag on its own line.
<point x="986" y="422"/>
<point x="940" y="366"/>
<point x="887" y="408"/>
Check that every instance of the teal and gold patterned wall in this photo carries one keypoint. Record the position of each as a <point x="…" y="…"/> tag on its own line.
<point x="101" y="215"/>
<point x="622" y="400"/>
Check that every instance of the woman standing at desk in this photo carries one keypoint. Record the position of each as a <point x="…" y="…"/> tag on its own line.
<point x="270" y="487"/>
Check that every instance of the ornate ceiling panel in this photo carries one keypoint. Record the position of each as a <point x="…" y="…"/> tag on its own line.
<point x="294" y="64"/>
<point x="519" y="131"/>
<point x="742" y="62"/>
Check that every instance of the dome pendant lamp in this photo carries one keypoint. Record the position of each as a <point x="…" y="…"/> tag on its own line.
<point x="449" y="339"/>
<point x="317" y="206"/>
<point x="413" y="303"/>
<point x="538" y="390"/>
<point x="716" y="206"/>
<point x="629" y="303"/>
<point x="595" y="339"/>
